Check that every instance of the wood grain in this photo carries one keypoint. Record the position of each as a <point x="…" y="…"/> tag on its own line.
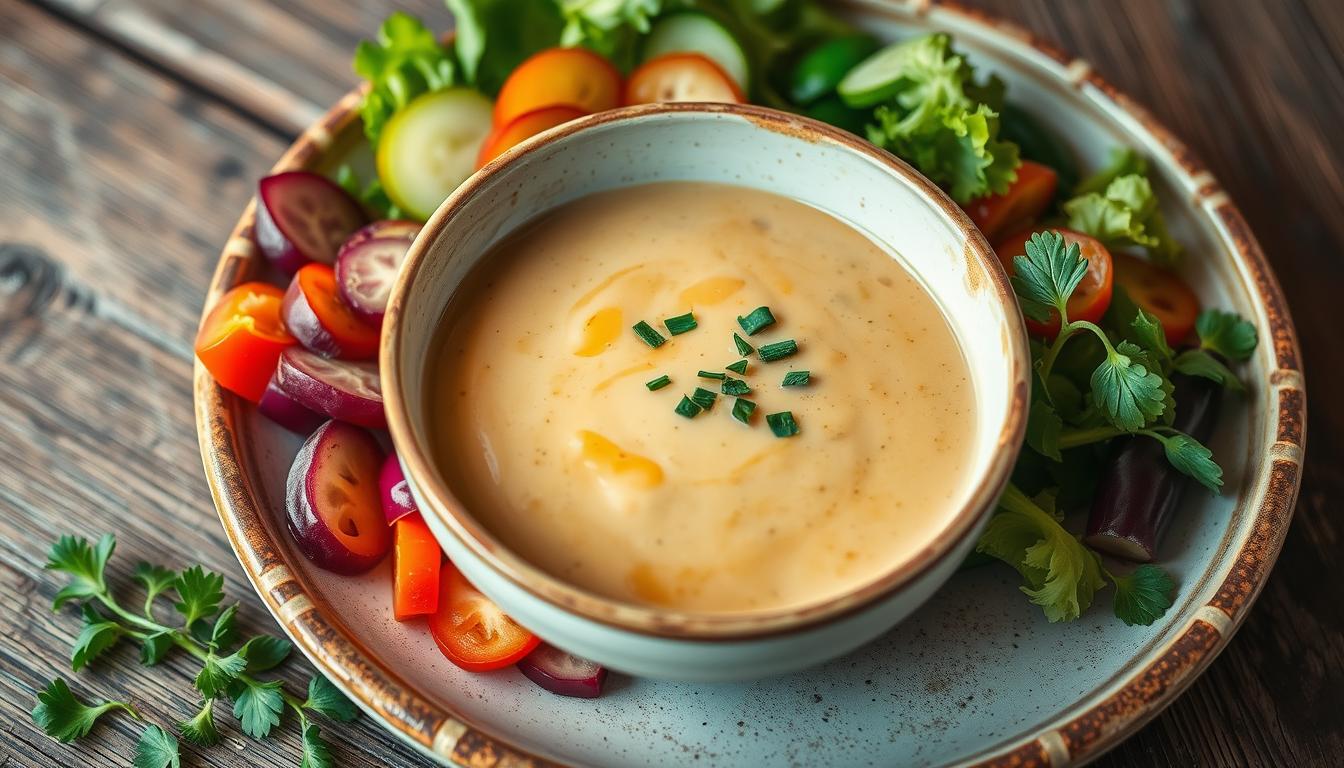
<point x="132" y="132"/>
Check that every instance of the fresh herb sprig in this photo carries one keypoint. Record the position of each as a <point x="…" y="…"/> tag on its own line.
<point x="203" y="630"/>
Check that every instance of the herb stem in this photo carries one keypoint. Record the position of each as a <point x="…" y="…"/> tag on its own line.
<point x="130" y="618"/>
<point x="1079" y="437"/>
<point x="1066" y="331"/>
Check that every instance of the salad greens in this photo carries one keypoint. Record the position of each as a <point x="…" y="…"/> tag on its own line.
<point x="203" y="631"/>
<point x="404" y="61"/>
<point x="1118" y="207"/>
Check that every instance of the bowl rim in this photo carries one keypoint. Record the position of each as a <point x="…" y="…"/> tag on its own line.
<point x="443" y="505"/>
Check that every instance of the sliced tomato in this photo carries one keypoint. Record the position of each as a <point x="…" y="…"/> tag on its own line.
<point x="1161" y="293"/>
<point x="524" y="127"/>
<point x="241" y="339"/>
<point x="570" y="77"/>
<point x="1093" y="294"/>
<point x="681" y="77"/>
<point x="472" y="631"/>
<point x="416" y="561"/>
<point x="315" y="313"/>
<point x="1020" y="206"/>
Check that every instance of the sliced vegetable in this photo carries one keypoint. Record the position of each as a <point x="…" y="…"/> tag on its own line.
<point x="405" y="60"/>
<point x="695" y="32"/>
<point x="1160" y="292"/>
<point x="1093" y="294"/>
<point x="428" y="148"/>
<point x="303" y="217"/>
<point x="681" y="77"/>
<point x="404" y="229"/>
<point x="321" y="321"/>
<point x="365" y="273"/>
<point x="242" y="338"/>
<point x="282" y="408"/>
<point x="331" y="499"/>
<point x="522" y="128"/>
<point x="394" y="492"/>
<point x="817" y="74"/>
<point x="472" y="631"/>
<point x="559" y="77"/>
<point x="336" y="388"/>
<point x="562" y="673"/>
<point x="416" y="561"/>
<point x="1024" y="202"/>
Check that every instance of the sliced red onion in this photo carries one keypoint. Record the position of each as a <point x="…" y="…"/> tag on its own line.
<point x="563" y="673"/>
<point x="278" y="406"/>
<point x="340" y="389"/>
<point x="402" y="229"/>
<point x="392" y="488"/>
<point x="365" y="273"/>
<point x="303" y="217"/>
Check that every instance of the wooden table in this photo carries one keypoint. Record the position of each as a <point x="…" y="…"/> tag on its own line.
<point x="132" y="133"/>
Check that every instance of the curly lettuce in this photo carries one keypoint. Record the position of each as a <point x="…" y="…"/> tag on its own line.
<point x="404" y="61"/>
<point x="608" y="27"/>
<point x="1119" y="208"/>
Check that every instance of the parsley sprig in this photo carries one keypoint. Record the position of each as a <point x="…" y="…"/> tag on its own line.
<point x="204" y="631"/>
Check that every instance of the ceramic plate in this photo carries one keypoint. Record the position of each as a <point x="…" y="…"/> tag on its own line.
<point x="976" y="676"/>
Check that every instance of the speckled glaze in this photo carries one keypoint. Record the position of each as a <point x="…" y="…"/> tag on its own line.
<point x="974" y="677"/>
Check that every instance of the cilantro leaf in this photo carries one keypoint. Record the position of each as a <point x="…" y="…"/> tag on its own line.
<point x="157" y="748"/>
<point x="65" y="718"/>
<point x="265" y="652"/>
<point x="1142" y="596"/>
<point x="1059" y="573"/>
<point x="1045" y="277"/>
<point x="257" y="706"/>
<point x="1198" y="362"/>
<point x="315" y="751"/>
<point x="98" y="635"/>
<point x="327" y="699"/>
<point x="200" y="729"/>
<point x="1149" y="334"/>
<point x="199" y="592"/>
<point x="225" y="632"/>
<point x="217" y="672"/>
<point x="404" y="61"/>
<point x="1128" y="393"/>
<point x="156" y="580"/>
<point x="1226" y="333"/>
<point x="154" y="647"/>
<point x="1191" y="458"/>
<point x="85" y="565"/>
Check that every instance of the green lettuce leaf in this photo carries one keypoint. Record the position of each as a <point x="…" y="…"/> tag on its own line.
<point x="1118" y="207"/>
<point x="494" y="36"/>
<point x="404" y="61"/>
<point x="609" y="27"/>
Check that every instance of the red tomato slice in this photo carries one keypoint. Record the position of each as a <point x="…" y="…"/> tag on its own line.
<point x="1093" y="294"/>
<point x="241" y="339"/>
<point x="416" y="563"/>
<point x="1161" y="293"/>
<point x="1025" y="200"/>
<point x="571" y="77"/>
<point x="681" y="77"/>
<point x="322" y="322"/>
<point x="472" y="631"/>
<point x="524" y="127"/>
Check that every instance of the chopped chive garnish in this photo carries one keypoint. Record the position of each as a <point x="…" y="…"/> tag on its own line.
<point x="758" y="319"/>
<point x="651" y="337"/>
<point x="712" y="375"/>
<point x="740" y="367"/>
<point x="735" y="387"/>
<point x="703" y="398"/>
<point x="742" y="410"/>
<point x="782" y="424"/>
<point x="778" y="351"/>
<point x="658" y="383"/>
<point x="687" y="408"/>
<point x="680" y="324"/>
<point x="743" y="348"/>
<point x="797" y="378"/>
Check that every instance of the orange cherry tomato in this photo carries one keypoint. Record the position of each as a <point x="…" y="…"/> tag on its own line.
<point x="472" y="631"/>
<point x="1161" y="293"/>
<point x="524" y="127"/>
<point x="681" y="77"/>
<point x="570" y="77"/>
<point x="322" y="322"/>
<point x="1093" y="294"/>
<point x="416" y="561"/>
<point x="1025" y="200"/>
<point x="241" y="339"/>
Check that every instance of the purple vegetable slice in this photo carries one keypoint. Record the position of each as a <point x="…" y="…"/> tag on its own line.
<point x="562" y="673"/>
<point x="365" y="273"/>
<point x="331" y="499"/>
<point x="278" y="406"/>
<point x="392" y="489"/>
<point x="403" y="229"/>
<point x="303" y="217"/>
<point x="339" y="389"/>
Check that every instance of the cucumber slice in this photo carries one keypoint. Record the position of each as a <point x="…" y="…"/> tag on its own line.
<point x="427" y="149"/>
<point x="695" y="32"/>
<point x="879" y="76"/>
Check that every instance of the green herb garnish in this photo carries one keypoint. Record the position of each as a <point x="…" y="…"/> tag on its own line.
<point x="680" y="324"/>
<point x="203" y="630"/>
<point x="782" y="424"/>
<point x="658" y="383"/>
<point x="778" y="350"/>
<point x="718" y="375"/>
<point x="651" y="337"/>
<point x="796" y="379"/>
<point x="733" y="386"/>
<point x="740" y="367"/>
<point x="757" y="320"/>
<point x="703" y="398"/>
<point x="743" y="348"/>
<point x="687" y="408"/>
<point x="742" y="410"/>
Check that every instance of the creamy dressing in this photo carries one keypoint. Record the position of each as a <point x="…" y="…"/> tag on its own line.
<point x="542" y="424"/>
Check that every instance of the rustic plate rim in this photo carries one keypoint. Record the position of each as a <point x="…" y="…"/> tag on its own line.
<point x="1069" y="738"/>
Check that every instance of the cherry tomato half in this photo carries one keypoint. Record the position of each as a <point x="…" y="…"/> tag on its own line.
<point x="1161" y="293"/>
<point x="472" y="631"/>
<point x="524" y="127"/>
<point x="571" y="77"/>
<point x="317" y="316"/>
<point x="416" y="568"/>
<point x="1093" y="294"/>
<point x="681" y="77"/>
<point x="1025" y="200"/>
<point x="241" y="339"/>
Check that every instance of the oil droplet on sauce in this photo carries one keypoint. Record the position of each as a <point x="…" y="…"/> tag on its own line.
<point x="711" y="291"/>
<point x="599" y="332"/>
<point x="612" y="464"/>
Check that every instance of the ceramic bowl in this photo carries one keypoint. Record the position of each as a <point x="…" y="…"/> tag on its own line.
<point x="750" y="147"/>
